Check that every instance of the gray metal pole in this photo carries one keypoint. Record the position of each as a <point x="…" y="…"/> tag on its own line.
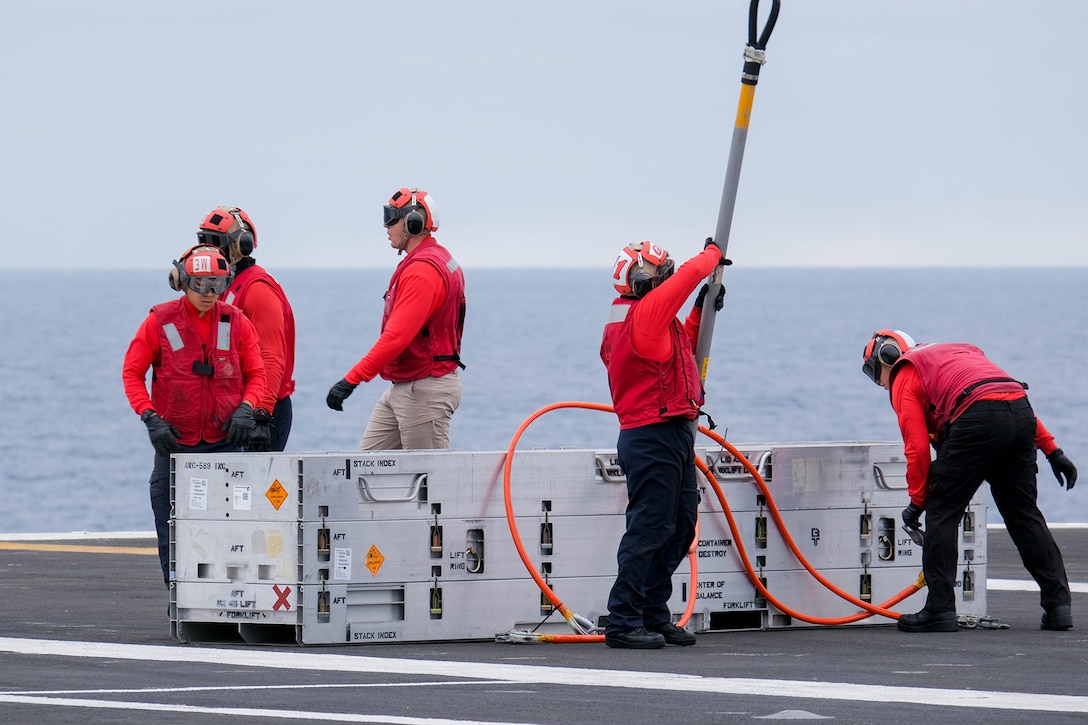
<point x="753" y="60"/>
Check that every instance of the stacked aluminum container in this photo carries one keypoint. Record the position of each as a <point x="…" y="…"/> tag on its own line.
<point x="397" y="546"/>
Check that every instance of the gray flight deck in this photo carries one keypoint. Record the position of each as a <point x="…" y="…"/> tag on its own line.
<point x="85" y="637"/>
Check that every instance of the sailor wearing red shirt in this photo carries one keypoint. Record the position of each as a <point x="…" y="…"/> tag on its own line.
<point x="983" y="428"/>
<point x="657" y="393"/>
<point x="207" y="376"/>
<point x="419" y="349"/>
<point x="257" y="293"/>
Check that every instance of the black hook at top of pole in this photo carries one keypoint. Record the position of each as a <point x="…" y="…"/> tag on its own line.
<point x="757" y="42"/>
<point x="753" y="28"/>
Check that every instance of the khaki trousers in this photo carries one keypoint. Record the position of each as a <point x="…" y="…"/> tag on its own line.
<point x="413" y="415"/>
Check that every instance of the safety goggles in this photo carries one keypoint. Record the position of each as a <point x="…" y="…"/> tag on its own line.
<point x="209" y="285"/>
<point x="391" y="216"/>
<point x="871" y="368"/>
<point x="214" y="239"/>
<point x="877" y="354"/>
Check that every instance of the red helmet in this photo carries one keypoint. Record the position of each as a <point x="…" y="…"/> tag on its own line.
<point x="884" y="348"/>
<point x="639" y="268"/>
<point x="416" y="207"/>
<point x="228" y="225"/>
<point x="202" y="269"/>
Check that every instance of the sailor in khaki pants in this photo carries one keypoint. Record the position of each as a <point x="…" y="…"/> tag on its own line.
<point x="419" y="349"/>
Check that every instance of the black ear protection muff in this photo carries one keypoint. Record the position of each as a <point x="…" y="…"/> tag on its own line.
<point x="415" y="221"/>
<point x="884" y="348"/>
<point x="887" y="350"/>
<point x="177" y="278"/>
<point x="245" y="235"/>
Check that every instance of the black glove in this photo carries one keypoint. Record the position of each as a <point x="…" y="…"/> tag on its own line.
<point x="719" y="299"/>
<point x="1061" y="464"/>
<point x="911" y="514"/>
<point x="260" y="439"/>
<point x="240" y="426"/>
<point x="723" y="261"/>
<point x="337" y="393"/>
<point x="163" y="435"/>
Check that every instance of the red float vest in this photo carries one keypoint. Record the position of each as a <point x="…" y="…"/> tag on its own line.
<point x="954" y="375"/>
<point x="646" y="391"/>
<point x="237" y="296"/>
<point x="198" y="384"/>
<point x="436" y="350"/>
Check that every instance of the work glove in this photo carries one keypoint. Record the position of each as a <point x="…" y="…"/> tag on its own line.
<point x="723" y="261"/>
<point x="719" y="299"/>
<point x="911" y="514"/>
<point x="260" y="439"/>
<point x="240" y="426"/>
<point x="1061" y="464"/>
<point x="164" y="437"/>
<point x="337" y="393"/>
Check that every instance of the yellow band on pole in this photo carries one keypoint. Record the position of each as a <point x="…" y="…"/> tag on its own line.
<point x="744" y="106"/>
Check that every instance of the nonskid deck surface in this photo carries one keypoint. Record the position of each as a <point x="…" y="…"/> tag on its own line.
<point x="85" y="635"/>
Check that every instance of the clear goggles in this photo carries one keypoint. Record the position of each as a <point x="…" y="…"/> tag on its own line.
<point x="209" y="285"/>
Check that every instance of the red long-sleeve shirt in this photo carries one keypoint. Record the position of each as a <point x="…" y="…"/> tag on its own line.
<point x="909" y="402"/>
<point x="420" y="291"/>
<point x="655" y="312"/>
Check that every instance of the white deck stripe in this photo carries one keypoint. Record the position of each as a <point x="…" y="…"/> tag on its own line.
<point x="563" y="676"/>
<point x="293" y="715"/>
<point x="1027" y="585"/>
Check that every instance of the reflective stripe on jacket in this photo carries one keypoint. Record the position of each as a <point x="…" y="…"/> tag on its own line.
<point x="199" y="383"/>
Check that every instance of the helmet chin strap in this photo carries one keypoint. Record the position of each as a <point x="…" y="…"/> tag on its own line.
<point x="404" y="241"/>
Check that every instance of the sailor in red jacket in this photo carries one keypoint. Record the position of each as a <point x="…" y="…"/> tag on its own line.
<point x="419" y="349"/>
<point x="257" y="293"/>
<point x="657" y="393"/>
<point x="979" y="420"/>
<point x="208" y="374"/>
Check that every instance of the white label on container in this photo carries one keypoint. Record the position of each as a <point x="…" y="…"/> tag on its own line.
<point x="341" y="564"/>
<point x="243" y="498"/>
<point x="198" y="494"/>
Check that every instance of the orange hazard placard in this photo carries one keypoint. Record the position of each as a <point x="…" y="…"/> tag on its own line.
<point x="276" y="493"/>
<point x="374" y="560"/>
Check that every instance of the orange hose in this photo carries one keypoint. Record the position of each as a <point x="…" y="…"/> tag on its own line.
<point x="547" y="590"/>
<point x="868" y="608"/>
<point x="784" y="531"/>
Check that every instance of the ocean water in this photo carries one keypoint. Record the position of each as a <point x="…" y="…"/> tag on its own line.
<point x="785" y="366"/>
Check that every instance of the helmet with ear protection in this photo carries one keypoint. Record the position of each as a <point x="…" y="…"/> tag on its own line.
<point x="203" y="260"/>
<point x="225" y="226"/>
<point x="639" y="268"/>
<point x="884" y="348"/>
<point x="416" y="207"/>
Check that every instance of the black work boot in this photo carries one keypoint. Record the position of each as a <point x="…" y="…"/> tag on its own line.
<point x="927" y="621"/>
<point x="1059" y="618"/>
<point x="674" y="634"/>
<point x="635" y="639"/>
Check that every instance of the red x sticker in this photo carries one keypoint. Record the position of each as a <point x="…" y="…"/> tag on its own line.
<point x="281" y="597"/>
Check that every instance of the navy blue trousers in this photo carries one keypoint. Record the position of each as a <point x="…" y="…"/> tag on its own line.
<point x="662" y="506"/>
<point x="993" y="441"/>
<point x="282" y="417"/>
<point x="160" y="496"/>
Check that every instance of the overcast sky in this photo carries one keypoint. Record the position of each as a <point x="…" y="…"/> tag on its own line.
<point x="891" y="133"/>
